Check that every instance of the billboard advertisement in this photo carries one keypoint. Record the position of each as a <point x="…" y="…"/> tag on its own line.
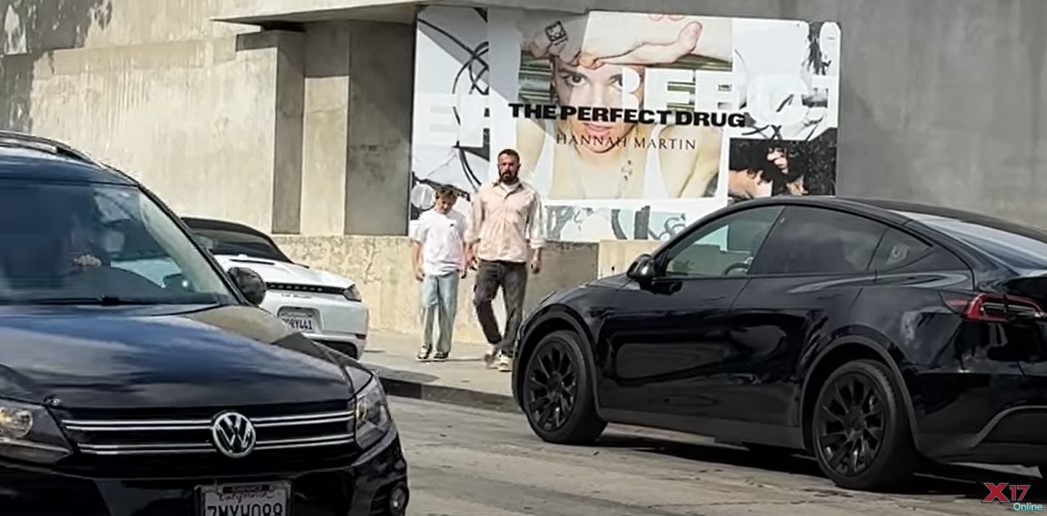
<point x="630" y="125"/>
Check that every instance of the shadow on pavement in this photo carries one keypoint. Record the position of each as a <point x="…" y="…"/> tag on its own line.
<point x="962" y="482"/>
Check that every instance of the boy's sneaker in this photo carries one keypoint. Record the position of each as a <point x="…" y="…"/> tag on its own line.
<point x="491" y="356"/>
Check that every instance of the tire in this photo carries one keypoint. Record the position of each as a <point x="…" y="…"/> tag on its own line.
<point x="891" y="462"/>
<point x="579" y="424"/>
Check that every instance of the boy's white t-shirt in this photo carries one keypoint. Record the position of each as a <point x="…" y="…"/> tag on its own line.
<point x="442" y="236"/>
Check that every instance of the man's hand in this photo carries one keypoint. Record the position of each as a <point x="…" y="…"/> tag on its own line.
<point x="470" y="261"/>
<point x="86" y="261"/>
<point x="419" y="274"/>
<point x="536" y="263"/>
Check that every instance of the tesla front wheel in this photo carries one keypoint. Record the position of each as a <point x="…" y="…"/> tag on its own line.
<point x="558" y="392"/>
<point x="860" y="429"/>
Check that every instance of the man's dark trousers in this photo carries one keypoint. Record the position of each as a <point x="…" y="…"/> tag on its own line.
<point x="511" y="277"/>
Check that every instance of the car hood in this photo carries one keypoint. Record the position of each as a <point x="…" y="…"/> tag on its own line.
<point x="281" y="272"/>
<point x="165" y="357"/>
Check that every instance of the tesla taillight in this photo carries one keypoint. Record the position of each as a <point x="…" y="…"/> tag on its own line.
<point x="995" y="307"/>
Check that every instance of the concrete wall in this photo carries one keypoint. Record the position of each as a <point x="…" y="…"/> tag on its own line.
<point x="222" y="120"/>
<point x="381" y="267"/>
<point x="308" y="130"/>
<point x="169" y="115"/>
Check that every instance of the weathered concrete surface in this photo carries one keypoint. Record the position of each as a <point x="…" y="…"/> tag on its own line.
<point x="175" y="116"/>
<point x="480" y="463"/>
<point x="35" y="26"/>
<point x="923" y="116"/>
<point x="381" y="267"/>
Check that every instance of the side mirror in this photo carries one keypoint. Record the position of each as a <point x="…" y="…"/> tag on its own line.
<point x="642" y="269"/>
<point x="250" y="284"/>
<point x="177" y="283"/>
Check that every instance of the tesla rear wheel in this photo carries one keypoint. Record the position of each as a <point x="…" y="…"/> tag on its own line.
<point x="860" y="429"/>
<point x="558" y="392"/>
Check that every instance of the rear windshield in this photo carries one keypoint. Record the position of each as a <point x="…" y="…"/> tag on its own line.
<point x="237" y="242"/>
<point x="1017" y="246"/>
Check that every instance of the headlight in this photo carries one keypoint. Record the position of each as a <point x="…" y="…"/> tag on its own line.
<point x="27" y="432"/>
<point x="372" y="414"/>
<point x="352" y="294"/>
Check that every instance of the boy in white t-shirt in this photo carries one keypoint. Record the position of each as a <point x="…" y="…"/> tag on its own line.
<point x="439" y="263"/>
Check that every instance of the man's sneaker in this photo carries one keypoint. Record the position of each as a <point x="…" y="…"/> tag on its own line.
<point x="441" y="355"/>
<point x="423" y="354"/>
<point x="505" y="364"/>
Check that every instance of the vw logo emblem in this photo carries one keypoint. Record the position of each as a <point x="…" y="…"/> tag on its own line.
<point x="233" y="434"/>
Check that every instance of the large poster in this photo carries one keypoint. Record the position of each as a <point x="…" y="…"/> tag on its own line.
<point x="630" y="125"/>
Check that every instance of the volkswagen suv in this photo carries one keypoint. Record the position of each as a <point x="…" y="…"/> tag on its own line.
<point x="139" y="378"/>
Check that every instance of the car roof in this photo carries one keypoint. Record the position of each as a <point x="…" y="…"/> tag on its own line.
<point x="966" y="231"/>
<point x="222" y="225"/>
<point x="899" y="212"/>
<point x="28" y="157"/>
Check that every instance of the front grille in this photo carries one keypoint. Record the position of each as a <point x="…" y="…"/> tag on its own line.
<point x="313" y="289"/>
<point x="288" y="438"/>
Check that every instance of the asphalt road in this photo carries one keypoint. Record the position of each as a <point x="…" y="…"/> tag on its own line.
<point x="474" y="462"/>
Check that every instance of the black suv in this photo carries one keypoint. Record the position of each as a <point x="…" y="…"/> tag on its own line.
<point x="127" y="391"/>
<point x="873" y="334"/>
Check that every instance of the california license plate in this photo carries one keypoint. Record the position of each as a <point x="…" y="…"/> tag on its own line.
<point x="303" y="323"/>
<point x="264" y="499"/>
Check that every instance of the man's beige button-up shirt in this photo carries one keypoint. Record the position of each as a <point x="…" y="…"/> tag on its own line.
<point x="507" y="221"/>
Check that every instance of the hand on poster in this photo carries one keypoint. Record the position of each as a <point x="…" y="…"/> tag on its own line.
<point x="625" y="38"/>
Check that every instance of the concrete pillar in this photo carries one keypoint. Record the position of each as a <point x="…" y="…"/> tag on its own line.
<point x="326" y="138"/>
<point x="381" y="90"/>
<point x="287" y="152"/>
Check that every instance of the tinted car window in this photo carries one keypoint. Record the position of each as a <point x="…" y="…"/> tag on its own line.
<point x="236" y="242"/>
<point x="725" y="246"/>
<point x="1017" y="246"/>
<point x="897" y="248"/>
<point x="819" y="241"/>
<point x="69" y="241"/>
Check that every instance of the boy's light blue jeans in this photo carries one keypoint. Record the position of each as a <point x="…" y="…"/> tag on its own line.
<point x="439" y="298"/>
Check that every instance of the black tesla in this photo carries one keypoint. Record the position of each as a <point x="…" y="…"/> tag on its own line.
<point x="872" y="334"/>
<point x="139" y="378"/>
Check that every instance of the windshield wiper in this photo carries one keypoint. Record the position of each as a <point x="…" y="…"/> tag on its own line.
<point x="87" y="300"/>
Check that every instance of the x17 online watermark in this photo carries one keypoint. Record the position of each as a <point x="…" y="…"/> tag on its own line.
<point x="1012" y="494"/>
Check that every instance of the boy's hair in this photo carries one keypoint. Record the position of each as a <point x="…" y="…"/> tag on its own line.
<point x="446" y="192"/>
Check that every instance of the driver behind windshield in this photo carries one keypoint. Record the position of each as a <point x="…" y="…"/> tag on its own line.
<point x="46" y="234"/>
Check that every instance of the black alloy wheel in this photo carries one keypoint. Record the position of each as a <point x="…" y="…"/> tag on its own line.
<point x="851" y="424"/>
<point x="557" y="392"/>
<point x="552" y="386"/>
<point x="860" y="429"/>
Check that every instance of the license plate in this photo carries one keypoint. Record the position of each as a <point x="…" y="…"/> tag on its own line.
<point x="302" y="323"/>
<point x="268" y="499"/>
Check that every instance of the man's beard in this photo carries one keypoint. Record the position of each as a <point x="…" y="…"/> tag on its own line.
<point x="508" y="179"/>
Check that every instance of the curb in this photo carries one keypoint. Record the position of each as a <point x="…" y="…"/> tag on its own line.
<point x="403" y="384"/>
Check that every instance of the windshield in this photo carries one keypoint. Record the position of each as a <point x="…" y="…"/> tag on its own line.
<point x="231" y="242"/>
<point x="65" y="242"/>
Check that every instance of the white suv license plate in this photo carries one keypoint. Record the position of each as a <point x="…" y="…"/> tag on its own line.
<point x="260" y="499"/>
<point x="302" y="323"/>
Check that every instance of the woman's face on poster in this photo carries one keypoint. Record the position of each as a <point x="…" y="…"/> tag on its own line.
<point x="829" y="43"/>
<point x="599" y="87"/>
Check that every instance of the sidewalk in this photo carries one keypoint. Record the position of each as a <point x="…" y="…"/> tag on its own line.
<point x="462" y="379"/>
